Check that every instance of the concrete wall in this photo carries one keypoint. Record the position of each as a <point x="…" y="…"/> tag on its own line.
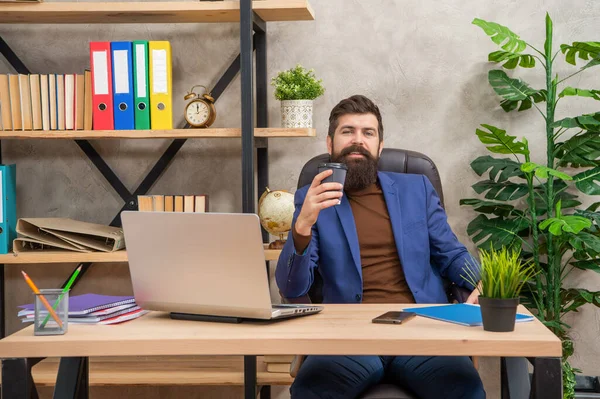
<point x="422" y="62"/>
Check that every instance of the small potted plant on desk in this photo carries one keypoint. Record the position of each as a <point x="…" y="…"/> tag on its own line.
<point x="503" y="274"/>
<point x="296" y="88"/>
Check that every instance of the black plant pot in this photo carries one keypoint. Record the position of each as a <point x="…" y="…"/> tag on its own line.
<point x="498" y="314"/>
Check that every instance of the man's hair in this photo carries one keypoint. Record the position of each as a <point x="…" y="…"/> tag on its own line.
<point x="357" y="104"/>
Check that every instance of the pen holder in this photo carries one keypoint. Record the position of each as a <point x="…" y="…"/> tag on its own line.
<point x="44" y="322"/>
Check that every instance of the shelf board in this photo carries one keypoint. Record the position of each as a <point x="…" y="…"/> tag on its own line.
<point x="86" y="12"/>
<point x="152" y="134"/>
<point x="59" y="256"/>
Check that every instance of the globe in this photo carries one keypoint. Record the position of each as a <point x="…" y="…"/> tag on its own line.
<point x="276" y="210"/>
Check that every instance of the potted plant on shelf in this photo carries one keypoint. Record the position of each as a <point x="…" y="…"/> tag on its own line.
<point x="539" y="207"/>
<point x="503" y="274"/>
<point x="296" y="88"/>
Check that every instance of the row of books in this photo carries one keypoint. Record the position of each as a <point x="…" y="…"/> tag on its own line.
<point x="94" y="309"/>
<point x="46" y="102"/>
<point x="132" y="85"/>
<point x="173" y="203"/>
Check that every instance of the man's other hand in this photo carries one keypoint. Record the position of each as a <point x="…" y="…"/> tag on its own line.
<point x="474" y="296"/>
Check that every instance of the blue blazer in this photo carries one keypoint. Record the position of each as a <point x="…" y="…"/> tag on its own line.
<point x="427" y="247"/>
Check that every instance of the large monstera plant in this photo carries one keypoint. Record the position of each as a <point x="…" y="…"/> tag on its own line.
<point x="537" y="208"/>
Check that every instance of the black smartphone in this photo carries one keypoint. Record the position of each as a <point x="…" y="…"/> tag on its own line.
<point x="394" y="317"/>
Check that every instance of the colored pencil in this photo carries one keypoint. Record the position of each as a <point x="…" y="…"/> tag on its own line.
<point x="42" y="298"/>
<point x="65" y="290"/>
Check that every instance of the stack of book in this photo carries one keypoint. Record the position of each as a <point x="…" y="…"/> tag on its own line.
<point x="94" y="309"/>
<point x="278" y="363"/>
<point x="46" y="102"/>
<point x="173" y="203"/>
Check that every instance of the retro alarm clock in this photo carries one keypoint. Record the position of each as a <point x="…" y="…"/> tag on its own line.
<point x="200" y="112"/>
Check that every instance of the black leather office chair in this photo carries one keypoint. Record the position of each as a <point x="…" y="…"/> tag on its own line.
<point x="391" y="160"/>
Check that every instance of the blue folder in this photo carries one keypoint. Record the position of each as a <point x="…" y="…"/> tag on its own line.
<point x="8" y="207"/>
<point x="461" y="313"/>
<point x="122" y="75"/>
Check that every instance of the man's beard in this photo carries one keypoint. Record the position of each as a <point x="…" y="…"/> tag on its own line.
<point x="362" y="172"/>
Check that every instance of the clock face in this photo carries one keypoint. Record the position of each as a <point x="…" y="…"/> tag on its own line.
<point x="197" y="113"/>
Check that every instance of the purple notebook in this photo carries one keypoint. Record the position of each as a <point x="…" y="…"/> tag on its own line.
<point x="88" y="303"/>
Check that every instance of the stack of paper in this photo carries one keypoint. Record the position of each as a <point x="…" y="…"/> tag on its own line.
<point x="94" y="309"/>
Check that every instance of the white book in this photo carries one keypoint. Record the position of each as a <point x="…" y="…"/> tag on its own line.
<point x="60" y="101"/>
<point x="45" y="102"/>
<point x="69" y="101"/>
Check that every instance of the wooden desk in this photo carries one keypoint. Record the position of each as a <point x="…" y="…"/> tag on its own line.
<point x="338" y="330"/>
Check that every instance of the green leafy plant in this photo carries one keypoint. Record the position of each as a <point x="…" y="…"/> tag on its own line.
<point x="503" y="273"/>
<point x="297" y="84"/>
<point x="536" y="208"/>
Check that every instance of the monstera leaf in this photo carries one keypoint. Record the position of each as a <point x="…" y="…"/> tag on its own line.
<point x="492" y="207"/>
<point x="587" y="213"/>
<point x="565" y="223"/>
<point x="503" y="191"/>
<point x="512" y="59"/>
<point x="514" y="90"/>
<point x="574" y="298"/>
<point x="501" y="143"/>
<point x="501" y="35"/>
<point x="569" y="224"/>
<point x="585" y="50"/>
<point x="501" y="169"/>
<point x="593" y="265"/>
<point x="585" y="244"/>
<point x="589" y="122"/>
<point x="571" y="91"/>
<point x="538" y="97"/>
<point x="543" y="171"/>
<point x="497" y="232"/>
<point x="582" y="150"/>
<point x="586" y="181"/>
<point x="567" y="199"/>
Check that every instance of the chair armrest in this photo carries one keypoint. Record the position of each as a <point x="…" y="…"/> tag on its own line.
<point x="457" y="294"/>
<point x="295" y="365"/>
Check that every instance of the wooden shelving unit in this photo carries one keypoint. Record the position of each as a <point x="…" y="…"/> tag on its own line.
<point x="251" y="64"/>
<point x="58" y="256"/>
<point x="87" y="12"/>
<point x="152" y="134"/>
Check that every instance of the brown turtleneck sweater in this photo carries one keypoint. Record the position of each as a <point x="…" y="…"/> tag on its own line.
<point x="383" y="275"/>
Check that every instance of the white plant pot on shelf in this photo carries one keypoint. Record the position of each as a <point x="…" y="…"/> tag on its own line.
<point x="296" y="113"/>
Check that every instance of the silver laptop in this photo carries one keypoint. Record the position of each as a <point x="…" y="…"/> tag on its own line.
<point x="203" y="266"/>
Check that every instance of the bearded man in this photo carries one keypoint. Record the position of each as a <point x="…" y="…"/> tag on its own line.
<point x="383" y="239"/>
